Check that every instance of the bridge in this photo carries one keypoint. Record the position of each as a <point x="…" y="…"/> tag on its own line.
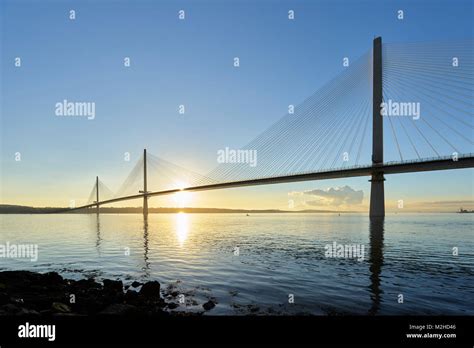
<point x="424" y="90"/>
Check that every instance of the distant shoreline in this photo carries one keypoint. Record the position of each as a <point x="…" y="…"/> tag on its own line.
<point x="19" y="209"/>
<point x="26" y="210"/>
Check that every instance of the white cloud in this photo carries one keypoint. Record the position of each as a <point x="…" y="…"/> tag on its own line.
<point x="335" y="196"/>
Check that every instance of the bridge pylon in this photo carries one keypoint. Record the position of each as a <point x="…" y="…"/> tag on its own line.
<point x="145" y="192"/>
<point x="377" y="194"/>
<point x="97" y="193"/>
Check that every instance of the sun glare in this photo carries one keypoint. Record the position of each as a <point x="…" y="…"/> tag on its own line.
<point x="182" y="198"/>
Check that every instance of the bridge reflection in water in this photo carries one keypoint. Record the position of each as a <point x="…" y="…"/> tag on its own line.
<point x="376" y="230"/>
<point x="375" y="260"/>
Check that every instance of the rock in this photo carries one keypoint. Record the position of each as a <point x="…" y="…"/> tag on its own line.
<point x="27" y="312"/>
<point x="86" y="284"/>
<point x="119" y="309"/>
<point x="136" y="284"/>
<point x="10" y="308"/>
<point x="151" y="290"/>
<point x="68" y="315"/>
<point x="173" y="305"/>
<point x="254" y="309"/>
<point x="17" y="281"/>
<point x="113" y="285"/>
<point x="113" y="292"/>
<point x="58" y="307"/>
<point x="131" y="296"/>
<point x="92" y="302"/>
<point x="53" y="278"/>
<point x="174" y="293"/>
<point x="208" y="305"/>
<point x="25" y="293"/>
<point x="4" y="298"/>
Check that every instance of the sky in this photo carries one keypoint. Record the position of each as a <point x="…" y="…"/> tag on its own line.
<point x="191" y="62"/>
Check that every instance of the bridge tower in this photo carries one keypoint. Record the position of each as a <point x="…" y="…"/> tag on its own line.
<point x="97" y="193"/>
<point x="377" y="195"/>
<point x="145" y="192"/>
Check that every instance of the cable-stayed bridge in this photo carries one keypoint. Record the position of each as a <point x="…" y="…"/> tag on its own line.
<point x="400" y="108"/>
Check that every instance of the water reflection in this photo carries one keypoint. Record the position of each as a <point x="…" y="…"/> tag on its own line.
<point x="146" y="263"/>
<point x="376" y="261"/>
<point x="98" y="238"/>
<point x="182" y="228"/>
<point x="271" y="258"/>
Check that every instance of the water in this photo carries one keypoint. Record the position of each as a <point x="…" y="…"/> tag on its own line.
<point x="279" y="255"/>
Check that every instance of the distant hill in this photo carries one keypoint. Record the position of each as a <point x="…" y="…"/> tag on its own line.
<point x="19" y="209"/>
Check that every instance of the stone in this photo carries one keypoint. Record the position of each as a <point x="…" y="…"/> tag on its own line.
<point x="58" y="307"/>
<point x="113" y="285"/>
<point x="4" y="298"/>
<point x="208" y="305"/>
<point x="10" y="308"/>
<point x="53" y="278"/>
<point x="173" y="305"/>
<point x="119" y="309"/>
<point x="136" y="284"/>
<point x="27" y="312"/>
<point x="151" y="289"/>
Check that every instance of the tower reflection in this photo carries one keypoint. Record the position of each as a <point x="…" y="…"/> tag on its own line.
<point x="146" y="263"/>
<point x="376" y="261"/>
<point x="98" y="237"/>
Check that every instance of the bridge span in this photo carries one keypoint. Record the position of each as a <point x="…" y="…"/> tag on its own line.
<point x="433" y="164"/>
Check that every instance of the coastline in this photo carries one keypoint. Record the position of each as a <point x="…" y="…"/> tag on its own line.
<point x="25" y="293"/>
<point x="18" y="209"/>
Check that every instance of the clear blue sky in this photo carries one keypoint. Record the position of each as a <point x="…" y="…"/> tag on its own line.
<point x="185" y="62"/>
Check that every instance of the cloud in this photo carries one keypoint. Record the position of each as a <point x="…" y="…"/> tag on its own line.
<point x="335" y="196"/>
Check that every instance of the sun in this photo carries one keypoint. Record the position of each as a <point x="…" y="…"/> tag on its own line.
<point x="182" y="198"/>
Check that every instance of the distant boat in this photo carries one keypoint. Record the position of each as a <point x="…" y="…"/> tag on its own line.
<point x="465" y="211"/>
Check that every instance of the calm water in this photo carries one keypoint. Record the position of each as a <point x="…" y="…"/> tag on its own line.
<point x="279" y="254"/>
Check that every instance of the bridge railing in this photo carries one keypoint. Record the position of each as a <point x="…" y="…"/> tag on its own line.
<point x="429" y="159"/>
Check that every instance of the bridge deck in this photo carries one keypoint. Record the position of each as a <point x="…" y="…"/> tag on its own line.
<point x="445" y="163"/>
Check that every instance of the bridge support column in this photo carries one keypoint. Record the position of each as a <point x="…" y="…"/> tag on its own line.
<point x="145" y="206"/>
<point x="145" y="197"/>
<point x="377" y="195"/>
<point x="97" y="193"/>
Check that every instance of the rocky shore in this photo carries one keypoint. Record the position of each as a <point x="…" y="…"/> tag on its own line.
<point x="24" y="293"/>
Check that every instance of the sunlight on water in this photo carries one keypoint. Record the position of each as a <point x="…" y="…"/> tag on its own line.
<point x="182" y="228"/>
